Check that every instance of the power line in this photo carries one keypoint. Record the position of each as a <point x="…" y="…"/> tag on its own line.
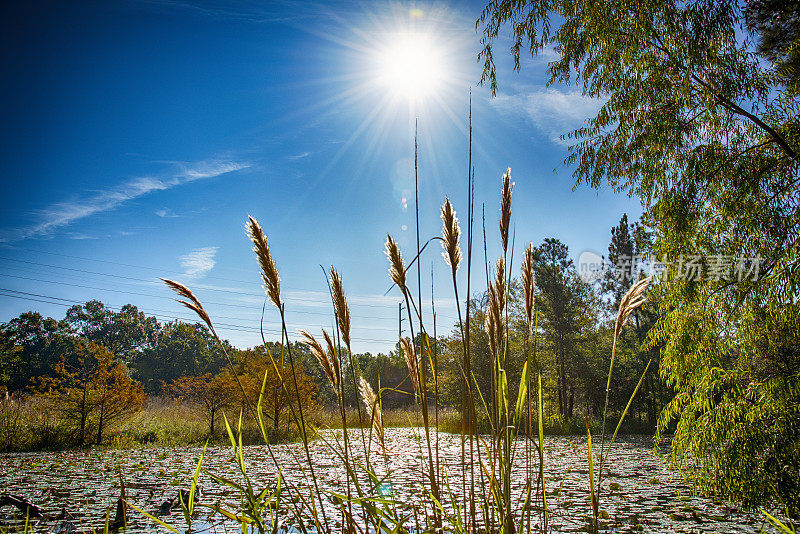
<point x="140" y="294"/>
<point x="35" y="297"/>
<point x="306" y="312"/>
<point x="203" y="287"/>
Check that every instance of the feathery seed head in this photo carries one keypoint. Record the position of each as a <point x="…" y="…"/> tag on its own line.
<point x="451" y="234"/>
<point x="341" y="308"/>
<point x="528" y="283"/>
<point x="269" y="271"/>
<point x="411" y="361"/>
<point x="193" y="303"/>
<point x="632" y="300"/>
<point x="500" y="284"/>
<point x="505" y="208"/>
<point x="493" y="322"/>
<point x="322" y="357"/>
<point x="332" y="357"/>
<point x="370" y="401"/>
<point x="397" y="267"/>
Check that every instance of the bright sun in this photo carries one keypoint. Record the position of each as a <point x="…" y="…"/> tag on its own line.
<point x="411" y="66"/>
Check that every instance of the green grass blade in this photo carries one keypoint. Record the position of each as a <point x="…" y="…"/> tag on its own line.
<point x="777" y="523"/>
<point x="541" y="452"/>
<point x="195" y="478"/>
<point x="627" y="406"/>
<point x="231" y="437"/>
<point x="592" y="494"/>
<point x="502" y="389"/>
<point x="523" y="391"/>
<point x="154" y="518"/>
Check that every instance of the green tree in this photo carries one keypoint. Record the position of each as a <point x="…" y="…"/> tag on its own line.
<point x="180" y="349"/>
<point x="10" y="361"/>
<point x="564" y="297"/>
<point x="778" y="24"/>
<point x="706" y="133"/>
<point x="127" y="333"/>
<point x="43" y="342"/>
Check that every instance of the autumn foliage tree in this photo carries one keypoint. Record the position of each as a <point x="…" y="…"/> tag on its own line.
<point x="279" y="398"/>
<point x="92" y="392"/>
<point x="212" y="393"/>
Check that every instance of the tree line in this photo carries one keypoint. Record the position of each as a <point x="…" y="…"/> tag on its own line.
<point x="98" y="366"/>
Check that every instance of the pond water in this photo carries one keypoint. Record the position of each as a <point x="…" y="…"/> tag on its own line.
<point x="640" y="494"/>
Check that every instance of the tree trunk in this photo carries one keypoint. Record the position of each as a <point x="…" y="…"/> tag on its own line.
<point x="100" y="424"/>
<point x="571" y="401"/>
<point x="563" y="393"/>
<point x="84" y="415"/>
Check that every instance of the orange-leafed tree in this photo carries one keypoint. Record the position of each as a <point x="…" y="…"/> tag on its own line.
<point x="116" y="395"/>
<point x="92" y="391"/>
<point x="279" y="395"/>
<point x="212" y="393"/>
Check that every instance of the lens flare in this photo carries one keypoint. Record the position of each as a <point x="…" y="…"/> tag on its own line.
<point x="411" y="66"/>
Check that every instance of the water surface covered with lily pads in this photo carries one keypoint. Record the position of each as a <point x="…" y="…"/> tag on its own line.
<point x="76" y="489"/>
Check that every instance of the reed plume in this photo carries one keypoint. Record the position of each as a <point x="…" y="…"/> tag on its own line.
<point x="341" y="309"/>
<point x="327" y="360"/>
<point x="528" y="283"/>
<point x="373" y="409"/>
<point x="451" y="234"/>
<point x="269" y="271"/>
<point x="397" y="267"/>
<point x="335" y="363"/>
<point x="494" y="321"/>
<point x="505" y="208"/>
<point x="500" y="284"/>
<point x="632" y="300"/>
<point x="192" y="303"/>
<point x="411" y="361"/>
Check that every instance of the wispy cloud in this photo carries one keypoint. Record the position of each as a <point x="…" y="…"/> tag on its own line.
<point x="198" y="262"/>
<point x="553" y="111"/>
<point x="64" y="213"/>
<point x="299" y="156"/>
<point x="166" y="213"/>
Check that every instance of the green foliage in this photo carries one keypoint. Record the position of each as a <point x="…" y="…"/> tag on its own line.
<point x="706" y="133"/>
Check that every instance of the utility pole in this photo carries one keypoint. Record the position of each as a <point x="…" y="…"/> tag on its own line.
<point x="399" y="320"/>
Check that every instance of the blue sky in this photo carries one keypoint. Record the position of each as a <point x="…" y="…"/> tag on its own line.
<point x="138" y="135"/>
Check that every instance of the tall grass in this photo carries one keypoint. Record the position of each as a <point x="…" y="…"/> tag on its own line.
<point x="485" y="499"/>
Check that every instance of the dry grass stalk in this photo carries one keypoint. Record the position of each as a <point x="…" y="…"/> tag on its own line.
<point x="505" y="208"/>
<point x="193" y="303"/>
<point x="528" y="283"/>
<point x="341" y="308"/>
<point x="411" y="361"/>
<point x="269" y="271"/>
<point x="451" y="234"/>
<point x="632" y="300"/>
<point x="397" y="267"/>
<point x="327" y="360"/>
<point x="373" y="409"/>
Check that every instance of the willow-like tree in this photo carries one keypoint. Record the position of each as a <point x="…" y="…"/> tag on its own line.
<point x="699" y="118"/>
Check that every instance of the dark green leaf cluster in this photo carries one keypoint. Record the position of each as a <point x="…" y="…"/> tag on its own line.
<point x="697" y="124"/>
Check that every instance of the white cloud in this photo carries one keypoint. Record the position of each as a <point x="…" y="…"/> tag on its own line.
<point x="166" y="213"/>
<point x="299" y="156"/>
<point x="198" y="262"/>
<point x="550" y="110"/>
<point x="64" y="213"/>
